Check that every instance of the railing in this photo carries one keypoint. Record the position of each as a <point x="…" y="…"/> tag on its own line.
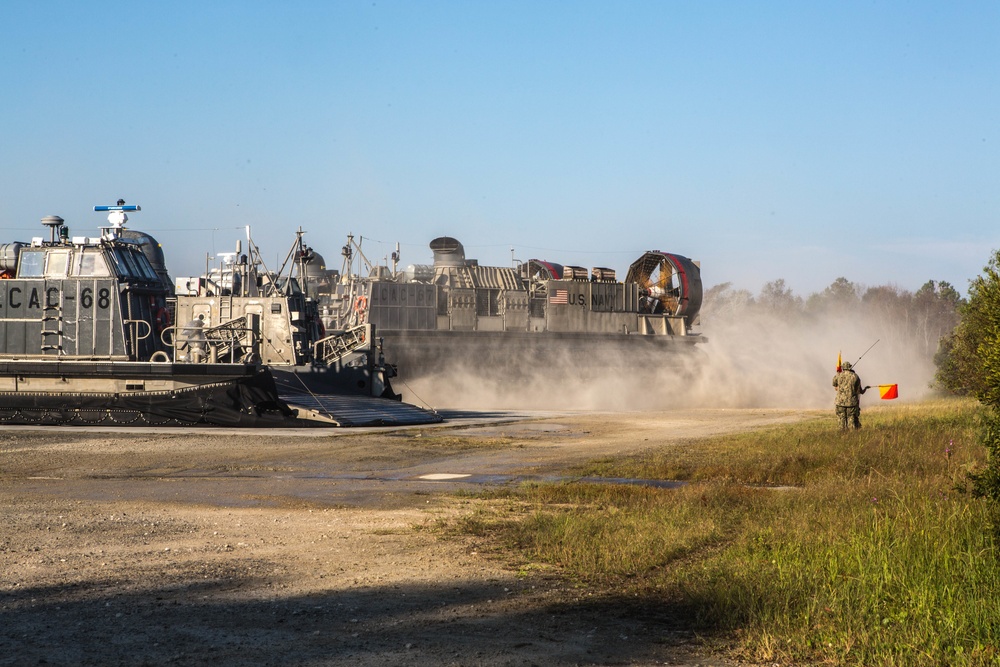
<point x="233" y="342"/>
<point x="229" y="337"/>
<point x="339" y="345"/>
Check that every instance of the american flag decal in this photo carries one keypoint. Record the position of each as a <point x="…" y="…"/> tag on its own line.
<point x="561" y="296"/>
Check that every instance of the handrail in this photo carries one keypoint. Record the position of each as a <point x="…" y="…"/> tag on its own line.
<point x="338" y="345"/>
<point x="232" y="340"/>
<point x="224" y="339"/>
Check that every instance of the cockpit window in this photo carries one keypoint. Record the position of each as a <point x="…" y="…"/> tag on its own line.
<point x="118" y="262"/>
<point x="90" y="264"/>
<point x="56" y="263"/>
<point x="145" y="267"/>
<point x="31" y="264"/>
<point x="129" y="264"/>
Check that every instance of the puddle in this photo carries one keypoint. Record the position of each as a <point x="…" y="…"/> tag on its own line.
<point x="548" y="479"/>
<point x="516" y="429"/>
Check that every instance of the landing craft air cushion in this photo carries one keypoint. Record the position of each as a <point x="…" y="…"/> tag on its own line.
<point x="88" y="335"/>
<point x="513" y="320"/>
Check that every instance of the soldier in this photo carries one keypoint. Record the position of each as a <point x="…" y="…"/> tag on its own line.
<point x="849" y="389"/>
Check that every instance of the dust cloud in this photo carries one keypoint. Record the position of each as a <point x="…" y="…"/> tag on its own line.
<point x="746" y="360"/>
<point x="761" y="360"/>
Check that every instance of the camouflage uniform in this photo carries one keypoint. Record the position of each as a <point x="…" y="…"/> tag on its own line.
<point x="849" y="390"/>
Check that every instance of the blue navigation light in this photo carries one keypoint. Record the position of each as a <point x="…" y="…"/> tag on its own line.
<point x="117" y="208"/>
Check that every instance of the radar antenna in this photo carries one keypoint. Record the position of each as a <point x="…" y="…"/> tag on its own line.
<point x="116" y="219"/>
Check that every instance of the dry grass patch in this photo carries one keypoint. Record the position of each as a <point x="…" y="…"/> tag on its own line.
<point x="873" y="557"/>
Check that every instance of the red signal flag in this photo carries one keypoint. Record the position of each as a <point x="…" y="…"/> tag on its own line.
<point x="888" y="391"/>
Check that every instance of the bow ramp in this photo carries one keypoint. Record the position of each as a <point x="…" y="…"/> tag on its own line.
<point x="358" y="410"/>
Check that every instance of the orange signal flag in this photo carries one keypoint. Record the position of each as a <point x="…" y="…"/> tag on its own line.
<point x="838" y="362"/>
<point x="888" y="391"/>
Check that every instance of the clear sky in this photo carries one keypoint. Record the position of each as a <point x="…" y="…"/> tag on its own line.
<point x="795" y="140"/>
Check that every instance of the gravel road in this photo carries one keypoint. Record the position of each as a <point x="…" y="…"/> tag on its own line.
<point x="226" y="547"/>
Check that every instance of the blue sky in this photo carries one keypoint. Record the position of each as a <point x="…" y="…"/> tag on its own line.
<point x="794" y="140"/>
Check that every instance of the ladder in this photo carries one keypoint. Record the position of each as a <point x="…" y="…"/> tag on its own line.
<point x="52" y="325"/>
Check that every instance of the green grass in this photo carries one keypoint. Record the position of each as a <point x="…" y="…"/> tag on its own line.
<point x="865" y="554"/>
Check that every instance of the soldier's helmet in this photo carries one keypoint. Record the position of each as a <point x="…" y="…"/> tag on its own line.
<point x="846" y="366"/>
